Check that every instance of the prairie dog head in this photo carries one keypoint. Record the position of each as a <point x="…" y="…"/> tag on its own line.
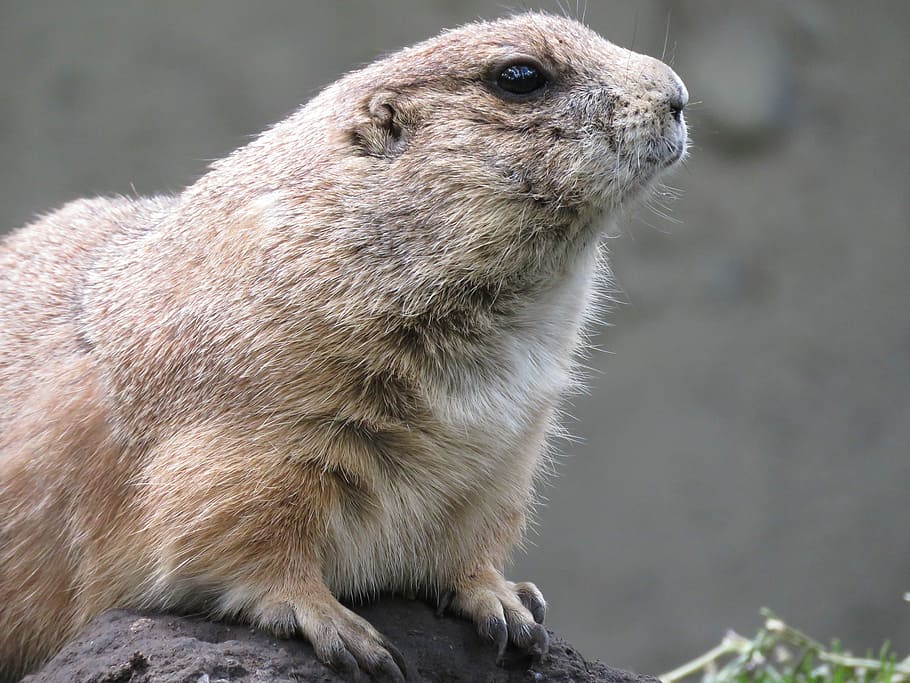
<point x="533" y="107"/>
<point x="485" y="156"/>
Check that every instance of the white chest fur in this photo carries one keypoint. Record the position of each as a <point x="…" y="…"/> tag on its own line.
<point x="528" y="367"/>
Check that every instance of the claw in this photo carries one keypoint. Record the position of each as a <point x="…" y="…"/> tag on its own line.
<point x="389" y="670"/>
<point x="401" y="666"/>
<point x="344" y="663"/>
<point x="533" y="601"/>
<point x="496" y="630"/>
<point x="445" y="600"/>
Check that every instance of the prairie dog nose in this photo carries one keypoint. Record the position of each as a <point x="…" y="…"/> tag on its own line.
<point x="678" y="99"/>
<point x="658" y="84"/>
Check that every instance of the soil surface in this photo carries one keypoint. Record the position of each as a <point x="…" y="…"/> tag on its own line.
<point x="123" y="646"/>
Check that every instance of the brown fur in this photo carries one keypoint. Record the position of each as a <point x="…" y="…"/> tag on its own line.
<point x="329" y="367"/>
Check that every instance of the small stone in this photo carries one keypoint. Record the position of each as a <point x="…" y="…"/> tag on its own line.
<point x="140" y="625"/>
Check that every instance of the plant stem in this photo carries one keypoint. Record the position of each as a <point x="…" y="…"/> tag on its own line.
<point x="732" y="643"/>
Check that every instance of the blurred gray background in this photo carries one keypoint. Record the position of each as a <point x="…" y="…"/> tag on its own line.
<point x="746" y="439"/>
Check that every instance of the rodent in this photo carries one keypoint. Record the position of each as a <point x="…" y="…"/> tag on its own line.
<point x="329" y="367"/>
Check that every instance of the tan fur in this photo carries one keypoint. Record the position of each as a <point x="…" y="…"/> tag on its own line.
<point x="329" y="367"/>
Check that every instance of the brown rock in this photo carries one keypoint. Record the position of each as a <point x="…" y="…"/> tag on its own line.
<point x="122" y="646"/>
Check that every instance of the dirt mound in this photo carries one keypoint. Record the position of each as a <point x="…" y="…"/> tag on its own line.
<point x="131" y="647"/>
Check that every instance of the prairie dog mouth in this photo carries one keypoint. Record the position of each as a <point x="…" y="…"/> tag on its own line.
<point x="675" y="143"/>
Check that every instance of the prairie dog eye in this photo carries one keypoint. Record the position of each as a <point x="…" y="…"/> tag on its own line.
<point x="520" y="78"/>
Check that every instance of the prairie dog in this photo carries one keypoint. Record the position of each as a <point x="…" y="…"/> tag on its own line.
<point x="328" y="368"/>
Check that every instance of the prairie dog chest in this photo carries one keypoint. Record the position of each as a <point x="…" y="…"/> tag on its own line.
<point x="478" y="461"/>
<point x="500" y="397"/>
<point x="496" y="403"/>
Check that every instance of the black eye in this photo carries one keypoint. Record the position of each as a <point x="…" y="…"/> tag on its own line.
<point x="520" y="79"/>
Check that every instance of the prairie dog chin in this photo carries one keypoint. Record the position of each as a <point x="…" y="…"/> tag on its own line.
<point x="329" y="367"/>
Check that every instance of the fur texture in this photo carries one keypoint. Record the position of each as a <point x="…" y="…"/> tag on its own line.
<point x="329" y="367"/>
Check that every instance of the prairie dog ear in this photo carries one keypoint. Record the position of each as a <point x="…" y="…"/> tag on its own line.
<point x="385" y="130"/>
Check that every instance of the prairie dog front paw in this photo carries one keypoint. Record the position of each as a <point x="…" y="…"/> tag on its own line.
<point x="503" y="611"/>
<point x="341" y="639"/>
